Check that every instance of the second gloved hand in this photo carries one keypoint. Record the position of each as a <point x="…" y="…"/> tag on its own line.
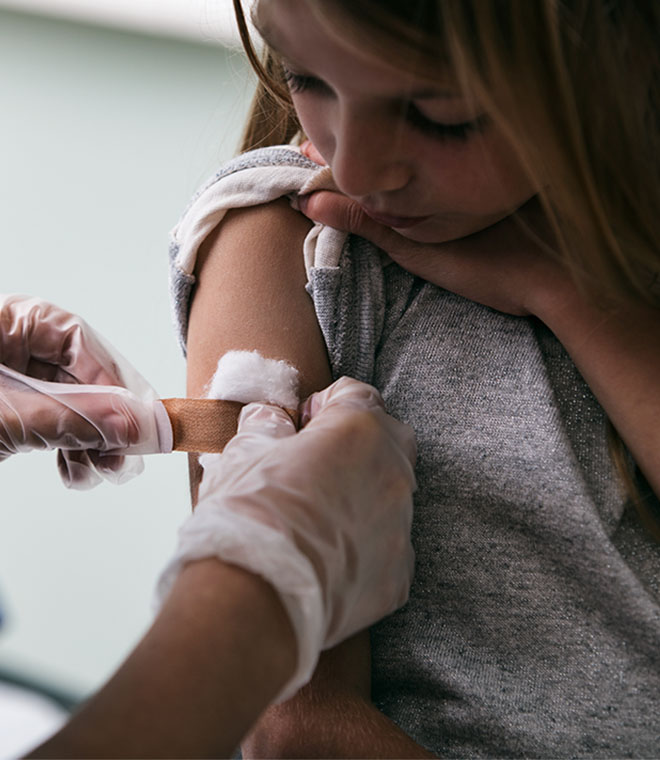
<point x="42" y="342"/>
<point x="101" y="422"/>
<point x="323" y="515"/>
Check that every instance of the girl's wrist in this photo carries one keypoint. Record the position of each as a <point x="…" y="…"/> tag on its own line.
<point x="555" y="298"/>
<point x="568" y="313"/>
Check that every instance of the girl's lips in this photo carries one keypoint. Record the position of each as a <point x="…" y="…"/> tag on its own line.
<point x="398" y="222"/>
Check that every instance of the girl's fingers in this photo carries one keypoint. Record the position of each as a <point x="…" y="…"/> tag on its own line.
<point x="441" y="263"/>
<point x="338" y="211"/>
<point x="505" y="266"/>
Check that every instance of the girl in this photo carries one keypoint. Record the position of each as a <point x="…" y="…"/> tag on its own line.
<point x="503" y="157"/>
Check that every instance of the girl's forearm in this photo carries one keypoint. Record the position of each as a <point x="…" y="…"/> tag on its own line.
<point x="617" y="351"/>
<point x="336" y="726"/>
<point x="333" y="715"/>
<point x="218" y="653"/>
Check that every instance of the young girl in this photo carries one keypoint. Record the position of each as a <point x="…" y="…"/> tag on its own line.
<point x="503" y="157"/>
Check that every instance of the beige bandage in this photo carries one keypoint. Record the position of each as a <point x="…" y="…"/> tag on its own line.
<point x="205" y="425"/>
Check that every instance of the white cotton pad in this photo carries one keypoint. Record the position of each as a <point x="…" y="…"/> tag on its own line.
<point x="247" y="376"/>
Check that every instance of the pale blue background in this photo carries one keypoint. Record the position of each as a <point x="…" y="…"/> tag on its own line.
<point x="104" y="135"/>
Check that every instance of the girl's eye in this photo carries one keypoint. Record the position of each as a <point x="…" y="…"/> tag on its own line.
<point x="298" y="83"/>
<point x="459" y="131"/>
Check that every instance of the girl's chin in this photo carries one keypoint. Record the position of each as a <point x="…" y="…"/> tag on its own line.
<point x="426" y="234"/>
<point x="438" y="231"/>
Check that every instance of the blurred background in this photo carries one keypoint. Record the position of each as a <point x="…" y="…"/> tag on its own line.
<point x="113" y="113"/>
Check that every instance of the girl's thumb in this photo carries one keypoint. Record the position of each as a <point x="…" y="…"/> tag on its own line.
<point x="336" y="210"/>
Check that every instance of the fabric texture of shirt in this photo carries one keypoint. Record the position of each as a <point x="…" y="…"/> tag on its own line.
<point x="533" y="626"/>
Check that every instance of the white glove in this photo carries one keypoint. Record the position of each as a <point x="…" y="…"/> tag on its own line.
<point x="323" y="515"/>
<point x="53" y="369"/>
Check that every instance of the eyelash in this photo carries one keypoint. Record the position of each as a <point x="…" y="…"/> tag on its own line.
<point x="462" y="131"/>
<point x="298" y="83"/>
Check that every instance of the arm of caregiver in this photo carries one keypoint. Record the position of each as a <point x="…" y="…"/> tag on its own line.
<point x="226" y="643"/>
<point x="250" y="294"/>
<point x="219" y="651"/>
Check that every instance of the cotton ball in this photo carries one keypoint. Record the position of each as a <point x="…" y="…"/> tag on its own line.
<point x="247" y="376"/>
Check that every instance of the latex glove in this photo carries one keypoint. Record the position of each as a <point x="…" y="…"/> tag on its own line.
<point x="323" y="515"/>
<point x="42" y="342"/>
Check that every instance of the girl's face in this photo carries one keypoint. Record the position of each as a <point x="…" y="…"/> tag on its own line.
<point x="413" y="152"/>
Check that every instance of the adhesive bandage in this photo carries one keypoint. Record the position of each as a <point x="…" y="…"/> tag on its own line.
<point x="206" y="425"/>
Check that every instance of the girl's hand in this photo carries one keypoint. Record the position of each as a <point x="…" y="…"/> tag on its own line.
<point x="506" y="266"/>
<point x="616" y="347"/>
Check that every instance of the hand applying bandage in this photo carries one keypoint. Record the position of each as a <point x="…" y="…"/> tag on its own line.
<point x="63" y="387"/>
<point x="322" y="514"/>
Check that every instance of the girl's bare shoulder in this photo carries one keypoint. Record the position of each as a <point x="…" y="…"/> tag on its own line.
<point x="257" y="235"/>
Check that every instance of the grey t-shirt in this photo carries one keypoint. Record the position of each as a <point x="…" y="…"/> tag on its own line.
<point x="533" y="626"/>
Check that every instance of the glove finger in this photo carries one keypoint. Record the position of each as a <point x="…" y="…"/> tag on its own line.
<point x="265" y="419"/>
<point x="115" y="468"/>
<point x="259" y="426"/>
<point x="403" y="435"/>
<point x="76" y="470"/>
<point x="42" y="415"/>
<point x="106" y="463"/>
<point x="45" y="371"/>
<point x="33" y="329"/>
<point x="345" y="396"/>
<point x="83" y="470"/>
<point x="41" y="340"/>
<point x="345" y="392"/>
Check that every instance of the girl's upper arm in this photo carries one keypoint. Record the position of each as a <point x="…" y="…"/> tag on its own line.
<point x="250" y="294"/>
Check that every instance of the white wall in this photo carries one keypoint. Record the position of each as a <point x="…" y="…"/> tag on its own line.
<point x="201" y="20"/>
<point x="103" y="138"/>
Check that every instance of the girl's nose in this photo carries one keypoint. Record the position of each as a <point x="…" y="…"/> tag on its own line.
<point x="368" y="156"/>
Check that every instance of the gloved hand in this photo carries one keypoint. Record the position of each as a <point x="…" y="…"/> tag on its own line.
<point x="323" y="515"/>
<point x="49" y="358"/>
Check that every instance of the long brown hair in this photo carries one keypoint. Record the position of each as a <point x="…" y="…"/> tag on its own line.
<point x="573" y="84"/>
<point x="272" y="119"/>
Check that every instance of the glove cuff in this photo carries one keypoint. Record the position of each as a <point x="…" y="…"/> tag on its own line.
<point x="232" y="538"/>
